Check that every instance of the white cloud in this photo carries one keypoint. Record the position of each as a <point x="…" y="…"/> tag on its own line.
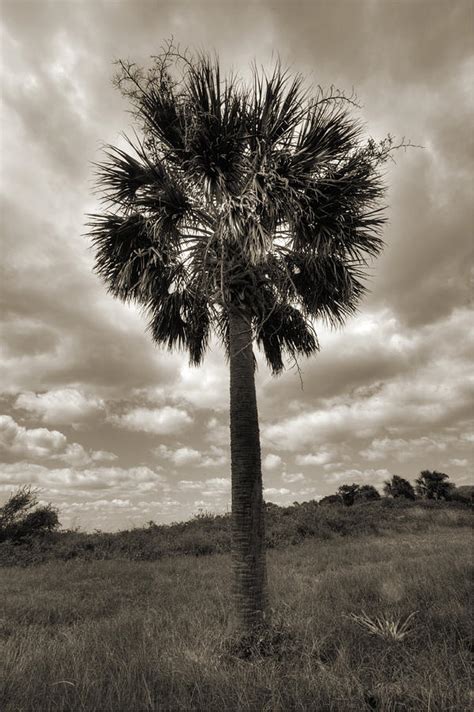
<point x="272" y="462"/>
<point x="457" y="462"/>
<point x="61" y="406"/>
<point x="35" y="442"/>
<point x="206" y="386"/>
<point x="213" y="486"/>
<point x="41" y="443"/>
<point x="412" y="404"/>
<point x="322" y="458"/>
<point x="275" y="491"/>
<point x="103" y="456"/>
<point x="359" y="476"/>
<point x="215" y="457"/>
<point x="218" y="433"/>
<point x="161" y="421"/>
<point x="218" y="484"/>
<point x="180" y="456"/>
<point x="190" y="484"/>
<point x="292" y="477"/>
<point x="402" y="449"/>
<point x="131" y="479"/>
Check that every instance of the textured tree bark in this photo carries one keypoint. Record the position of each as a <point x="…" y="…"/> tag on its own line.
<point x="248" y="533"/>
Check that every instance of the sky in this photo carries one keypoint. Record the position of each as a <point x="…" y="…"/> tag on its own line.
<point x="116" y="432"/>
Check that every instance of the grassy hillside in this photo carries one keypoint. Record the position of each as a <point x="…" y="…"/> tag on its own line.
<point x="123" y="636"/>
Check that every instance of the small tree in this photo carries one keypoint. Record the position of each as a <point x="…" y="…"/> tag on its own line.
<point x="366" y="493"/>
<point x="398" y="487"/>
<point x="21" y="517"/>
<point x="348" y="493"/>
<point x="433" y="485"/>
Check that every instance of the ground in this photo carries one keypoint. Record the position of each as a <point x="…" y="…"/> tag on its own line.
<point x="130" y="636"/>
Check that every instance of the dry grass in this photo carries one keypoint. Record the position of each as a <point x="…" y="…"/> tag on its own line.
<point x="126" y="636"/>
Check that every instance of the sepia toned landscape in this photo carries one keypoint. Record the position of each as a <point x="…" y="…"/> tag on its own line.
<point x="236" y="356"/>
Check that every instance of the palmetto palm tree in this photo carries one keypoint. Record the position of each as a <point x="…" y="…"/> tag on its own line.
<point x="249" y="211"/>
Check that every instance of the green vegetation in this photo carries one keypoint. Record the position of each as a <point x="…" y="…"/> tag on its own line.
<point x="121" y="636"/>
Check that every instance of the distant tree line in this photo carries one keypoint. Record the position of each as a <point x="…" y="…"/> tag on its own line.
<point x="24" y="519"/>
<point x="429" y="485"/>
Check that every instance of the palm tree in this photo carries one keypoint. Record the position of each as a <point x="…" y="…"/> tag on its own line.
<point x="249" y="211"/>
<point x="398" y="487"/>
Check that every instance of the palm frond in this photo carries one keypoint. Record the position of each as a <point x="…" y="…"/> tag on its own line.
<point x="180" y="319"/>
<point x="275" y="109"/>
<point x="121" y="176"/>
<point x="282" y="329"/>
<point x="128" y="260"/>
<point x="216" y="127"/>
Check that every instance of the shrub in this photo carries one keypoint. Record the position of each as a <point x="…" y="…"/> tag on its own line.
<point x="21" y="517"/>
<point x="353" y="493"/>
<point x="398" y="487"/>
<point x="366" y="493"/>
<point x="434" y="485"/>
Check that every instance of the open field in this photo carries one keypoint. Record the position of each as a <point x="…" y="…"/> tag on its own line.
<point x="118" y="635"/>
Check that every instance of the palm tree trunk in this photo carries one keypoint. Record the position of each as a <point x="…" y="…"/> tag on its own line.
<point x="248" y="536"/>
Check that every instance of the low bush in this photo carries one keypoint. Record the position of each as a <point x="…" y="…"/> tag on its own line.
<point x="23" y="518"/>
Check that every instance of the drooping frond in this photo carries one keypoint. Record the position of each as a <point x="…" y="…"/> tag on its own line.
<point x="284" y="330"/>
<point x="181" y="319"/>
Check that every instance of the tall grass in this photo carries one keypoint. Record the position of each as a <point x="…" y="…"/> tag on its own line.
<point x="133" y="636"/>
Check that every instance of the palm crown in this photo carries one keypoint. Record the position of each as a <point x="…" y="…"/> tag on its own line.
<point x="256" y="198"/>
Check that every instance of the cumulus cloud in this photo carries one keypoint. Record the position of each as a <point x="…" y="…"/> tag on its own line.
<point x="459" y="462"/>
<point x="41" y="443"/>
<point x="272" y="461"/>
<point x="180" y="456"/>
<point x="369" y="476"/>
<point x="270" y="492"/>
<point x="160" y="421"/>
<point x="204" y="387"/>
<point x="292" y="477"/>
<point x="322" y="458"/>
<point x="218" y="433"/>
<point x="432" y="395"/>
<point x="217" y="485"/>
<point x="60" y="406"/>
<point x="64" y="479"/>
<point x="402" y="449"/>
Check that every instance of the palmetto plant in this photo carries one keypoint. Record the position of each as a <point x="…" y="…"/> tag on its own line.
<point x="247" y="211"/>
<point x="384" y="626"/>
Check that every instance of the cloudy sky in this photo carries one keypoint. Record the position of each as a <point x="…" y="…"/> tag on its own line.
<point x="116" y="432"/>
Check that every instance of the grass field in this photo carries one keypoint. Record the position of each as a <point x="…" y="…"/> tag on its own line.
<point x="113" y="636"/>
